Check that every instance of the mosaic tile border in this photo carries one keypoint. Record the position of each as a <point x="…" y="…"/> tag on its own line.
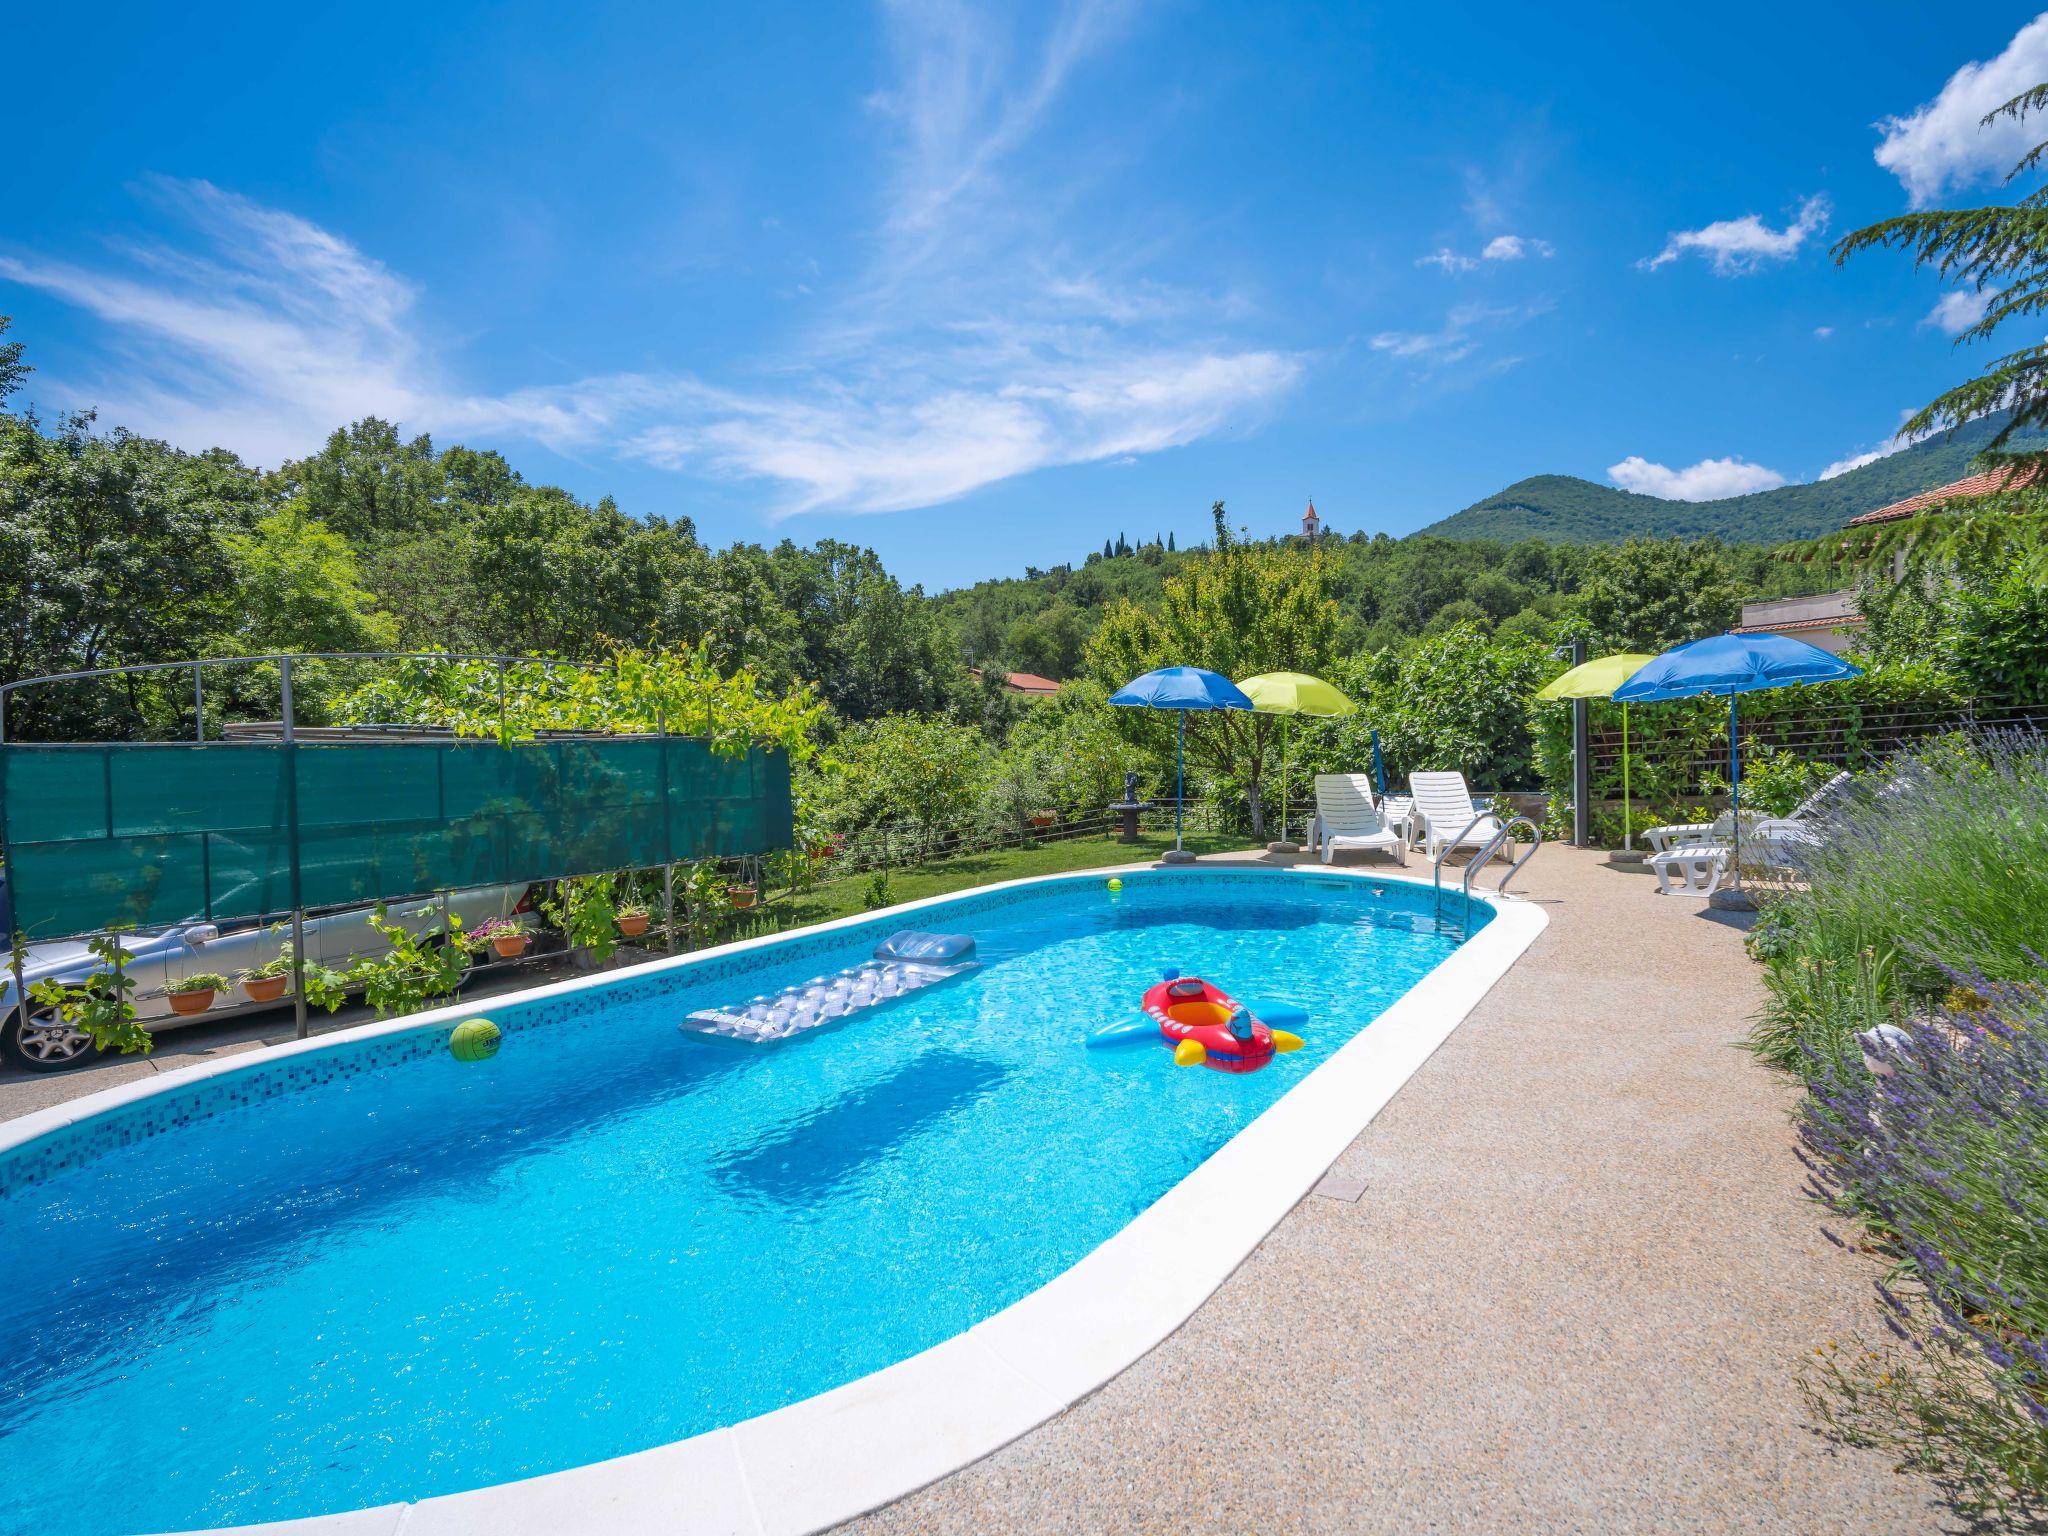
<point x="238" y="1084"/>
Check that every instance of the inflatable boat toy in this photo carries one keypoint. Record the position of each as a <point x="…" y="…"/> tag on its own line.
<point x="904" y="963"/>
<point x="1206" y="1026"/>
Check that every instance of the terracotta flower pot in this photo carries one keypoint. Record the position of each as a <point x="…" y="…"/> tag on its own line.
<point x="189" y="1003"/>
<point x="510" y="946"/>
<point x="742" y="896"/>
<point x="264" y="989"/>
<point x="633" y="924"/>
<point x="1043" y="819"/>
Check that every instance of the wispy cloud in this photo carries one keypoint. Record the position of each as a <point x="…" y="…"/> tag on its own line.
<point x="978" y="340"/>
<point x="1945" y="143"/>
<point x="1499" y="248"/>
<point x="1708" y="480"/>
<point x="1515" y="247"/>
<point x="1737" y="247"/>
<point x="1956" y="311"/>
<point x="1451" y="342"/>
<point x="1449" y="260"/>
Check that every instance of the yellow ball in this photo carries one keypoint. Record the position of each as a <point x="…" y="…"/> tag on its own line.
<point x="473" y="1040"/>
<point x="1116" y="885"/>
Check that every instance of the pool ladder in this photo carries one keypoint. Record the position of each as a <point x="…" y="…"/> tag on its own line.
<point x="1478" y="860"/>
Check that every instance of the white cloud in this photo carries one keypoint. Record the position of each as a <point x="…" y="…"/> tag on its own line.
<point x="1946" y="144"/>
<point x="1449" y="260"/>
<point x="1823" y="331"/>
<point x="1708" y="480"/>
<point x="1453" y="342"/>
<point x="1883" y="450"/>
<point x="1499" y="248"/>
<point x="978" y="345"/>
<point x="1955" y="312"/>
<point x="1740" y="246"/>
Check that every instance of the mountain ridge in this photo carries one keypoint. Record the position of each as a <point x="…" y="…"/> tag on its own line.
<point x="1568" y="510"/>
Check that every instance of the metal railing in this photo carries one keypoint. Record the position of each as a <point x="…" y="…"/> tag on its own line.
<point x="1485" y="853"/>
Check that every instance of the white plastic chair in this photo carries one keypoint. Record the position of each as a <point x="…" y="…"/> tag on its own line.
<point x="1347" y="818"/>
<point x="1445" y="806"/>
<point x="1695" y="869"/>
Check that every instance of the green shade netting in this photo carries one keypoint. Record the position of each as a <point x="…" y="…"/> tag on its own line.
<point x="161" y="833"/>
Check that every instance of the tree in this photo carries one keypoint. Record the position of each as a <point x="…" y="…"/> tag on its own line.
<point x="299" y="589"/>
<point x="12" y="368"/>
<point x="1244" y="608"/>
<point x="873" y="646"/>
<point x="368" y="482"/>
<point x="1651" y="594"/>
<point x="113" y="549"/>
<point x="2001" y="636"/>
<point x="1169" y="543"/>
<point x="1456" y="700"/>
<point x="2002" y="249"/>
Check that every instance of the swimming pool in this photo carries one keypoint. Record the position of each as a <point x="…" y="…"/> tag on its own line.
<point x="369" y="1273"/>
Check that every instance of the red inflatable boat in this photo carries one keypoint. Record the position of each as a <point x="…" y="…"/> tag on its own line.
<point x="1199" y="1018"/>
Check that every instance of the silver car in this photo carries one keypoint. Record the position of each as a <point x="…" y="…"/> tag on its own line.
<point x="42" y="1042"/>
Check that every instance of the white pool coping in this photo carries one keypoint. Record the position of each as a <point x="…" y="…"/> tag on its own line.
<point x="830" y="1458"/>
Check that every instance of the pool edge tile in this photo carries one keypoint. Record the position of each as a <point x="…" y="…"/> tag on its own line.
<point x="828" y="1458"/>
<point x="377" y="1520"/>
<point x="691" y="1487"/>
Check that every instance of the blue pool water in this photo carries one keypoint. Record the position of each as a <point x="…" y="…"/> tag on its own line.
<point x="426" y="1276"/>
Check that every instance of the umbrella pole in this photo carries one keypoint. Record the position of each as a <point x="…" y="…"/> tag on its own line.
<point x="1628" y="820"/>
<point x="1735" y="791"/>
<point x="1180" y="794"/>
<point x="1284" y="743"/>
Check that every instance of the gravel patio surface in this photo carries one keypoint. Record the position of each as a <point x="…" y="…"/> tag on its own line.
<point x="1570" y="1297"/>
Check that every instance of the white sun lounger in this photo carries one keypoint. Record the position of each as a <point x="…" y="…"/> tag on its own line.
<point x="1445" y="806"/>
<point x="1347" y="818"/>
<point x="1695" y="869"/>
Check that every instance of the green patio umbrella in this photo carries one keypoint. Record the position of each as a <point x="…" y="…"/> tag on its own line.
<point x="1292" y="693"/>
<point x="1597" y="679"/>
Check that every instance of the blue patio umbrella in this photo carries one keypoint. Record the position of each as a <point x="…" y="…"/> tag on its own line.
<point x="1180" y="689"/>
<point x="1734" y="665"/>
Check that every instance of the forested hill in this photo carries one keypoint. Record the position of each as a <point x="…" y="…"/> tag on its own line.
<point x="1568" y="510"/>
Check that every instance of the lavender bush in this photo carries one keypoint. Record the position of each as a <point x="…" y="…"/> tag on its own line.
<point x="1937" y="864"/>
<point x="1908" y="987"/>
<point x="1937" y="1143"/>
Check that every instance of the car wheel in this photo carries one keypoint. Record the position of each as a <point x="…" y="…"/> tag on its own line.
<point x="44" y="1043"/>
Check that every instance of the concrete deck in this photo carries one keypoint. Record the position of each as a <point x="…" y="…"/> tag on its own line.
<point x="1571" y="1296"/>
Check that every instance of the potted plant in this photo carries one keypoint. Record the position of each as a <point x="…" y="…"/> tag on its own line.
<point x="194" y="994"/>
<point x="1042" y="819"/>
<point x="633" y="920"/>
<point x="742" y="895"/>
<point x="507" y="939"/>
<point x="265" y="983"/>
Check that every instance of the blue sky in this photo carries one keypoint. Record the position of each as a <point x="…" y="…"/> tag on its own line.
<point x="982" y="287"/>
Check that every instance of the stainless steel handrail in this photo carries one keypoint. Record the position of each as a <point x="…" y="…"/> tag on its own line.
<point x="1492" y="847"/>
<point x="1436" y="870"/>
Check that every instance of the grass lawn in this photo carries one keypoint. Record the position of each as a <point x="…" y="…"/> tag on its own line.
<point x="843" y="898"/>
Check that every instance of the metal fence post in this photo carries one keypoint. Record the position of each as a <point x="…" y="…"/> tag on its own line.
<point x="1582" y="764"/>
<point x="291" y="801"/>
<point x="198" y="702"/>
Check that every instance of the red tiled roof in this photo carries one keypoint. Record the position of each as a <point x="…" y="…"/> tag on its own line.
<point x="1826" y="621"/>
<point x="1022" y="682"/>
<point x="1989" y="483"/>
